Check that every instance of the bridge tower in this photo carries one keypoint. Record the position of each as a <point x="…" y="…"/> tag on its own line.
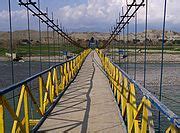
<point x="93" y="43"/>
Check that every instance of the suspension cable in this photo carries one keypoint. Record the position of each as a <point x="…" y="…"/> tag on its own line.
<point x="111" y="45"/>
<point x="124" y="65"/>
<point x="127" y="45"/>
<point x="68" y="46"/>
<point x="11" y="50"/>
<point x="49" y="64"/>
<point x="145" y="45"/>
<point x="40" y="41"/>
<point x="53" y="39"/>
<point x="119" y="41"/>
<point x="29" y="41"/>
<point x="55" y="48"/>
<point x="61" y="44"/>
<point x="29" y="51"/>
<point x="63" y="41"/>
<point x="162" y="60"/>
<point x="116" y="44"/>
<point x="119" y="49"/>
<point x="58" y="42"/>
<point x="127" y="49"/>
<point x="135" y="47"/>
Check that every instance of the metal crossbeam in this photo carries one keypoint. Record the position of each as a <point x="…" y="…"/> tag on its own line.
<point x="39" y="14"/>
<point x="45" y="19"/>
<point x="127" y="16"/>
<point x="124" y="22"/>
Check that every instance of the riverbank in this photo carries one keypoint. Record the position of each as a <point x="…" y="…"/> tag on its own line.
<point x="37" y="58"/>
<point x="151" y="58"/>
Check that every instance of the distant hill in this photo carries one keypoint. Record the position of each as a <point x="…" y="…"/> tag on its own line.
<point x="152" y="35"/>
<point x="157" y="34"/>
<point x="88" y="35"/>
<point x="18" y="36"/>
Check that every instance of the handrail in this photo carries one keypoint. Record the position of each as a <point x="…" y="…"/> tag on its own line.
<point x="174" y="119"/>
<point x="47" y="95"/>
<point x="124" y="88"/>
<point x="16" y="85"/>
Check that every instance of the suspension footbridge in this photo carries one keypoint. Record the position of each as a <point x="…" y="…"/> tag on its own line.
<point x="88" y="105"/>
<point x="88" y="92"/>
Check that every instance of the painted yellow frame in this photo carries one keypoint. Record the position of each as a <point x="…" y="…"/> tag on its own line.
<point x="125" y="94"/>
<point x="47" y="94"/>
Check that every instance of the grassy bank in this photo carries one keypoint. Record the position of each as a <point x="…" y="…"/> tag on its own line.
<point x="23" y="50"/>
<point x="2" y="51"/>
<point x="175" y="49"/>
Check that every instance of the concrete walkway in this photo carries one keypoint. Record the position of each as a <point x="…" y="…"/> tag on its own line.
<point x="87" y="105"/>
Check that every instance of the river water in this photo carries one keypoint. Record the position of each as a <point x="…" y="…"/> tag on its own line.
<point x="170" y="87"/>
<point x="21" y="71"/>
<point x="171" y="80"/>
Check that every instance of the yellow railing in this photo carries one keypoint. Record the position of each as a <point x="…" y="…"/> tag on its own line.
<point x="58" y="78"/>
<point x="138" y="117"/>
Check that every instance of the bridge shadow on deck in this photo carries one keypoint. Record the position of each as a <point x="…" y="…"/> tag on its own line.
<point x="87" y="106"/>
<point x="75" y="101"/>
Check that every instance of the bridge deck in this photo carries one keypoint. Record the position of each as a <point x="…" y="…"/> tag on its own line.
<point x="87" y="105"/>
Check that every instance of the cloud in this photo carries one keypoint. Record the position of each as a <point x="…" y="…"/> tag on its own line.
<point x="16" y="15"/>
<point x="104" y="13"/>
<point x="94" y="13"/>
<point x="155" y="12"/>
<point x="101" y="14"/>
<point x="18" y="19"/>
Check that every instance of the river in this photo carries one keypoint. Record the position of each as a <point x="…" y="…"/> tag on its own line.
<point x="171" y="80"/>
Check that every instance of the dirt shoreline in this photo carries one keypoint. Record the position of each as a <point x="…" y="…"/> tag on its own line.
<point x="37" y="58"/>
<point x="151" y="58"/>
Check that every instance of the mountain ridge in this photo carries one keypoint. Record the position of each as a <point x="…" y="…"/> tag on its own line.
<point x="19" y="35"/>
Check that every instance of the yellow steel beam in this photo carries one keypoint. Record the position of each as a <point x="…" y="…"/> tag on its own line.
<point x="2" y="124"/>
<point x="33" y="122"/>
<point x="47" y="93"/>
<point x="18" y="110"/>
<point x="41" y="94"/>
<point x="12" y="113"/>
<point x="33" y="100"/>
<point x="26" y="111"/>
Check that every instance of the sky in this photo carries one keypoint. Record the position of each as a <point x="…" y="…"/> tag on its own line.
<point x="92" y="15"/>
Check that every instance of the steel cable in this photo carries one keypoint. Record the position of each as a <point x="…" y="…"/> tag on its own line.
<point x="127" y="45"/>
<point x="162" y="61"/>
<point x="47" y="33"/>
<point x="11" y="50"/>
<point x="135" y="47"/>
<point x="29" y="52"/>
<point x="40" y="40"/>
<point x="145" y="44"/>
